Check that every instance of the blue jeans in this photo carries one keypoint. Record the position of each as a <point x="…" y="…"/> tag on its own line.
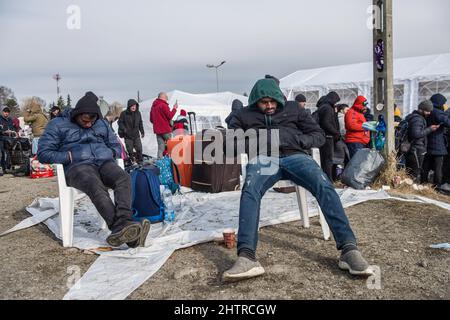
<point x="264" y="172"/>
<point x="353" y="148"/>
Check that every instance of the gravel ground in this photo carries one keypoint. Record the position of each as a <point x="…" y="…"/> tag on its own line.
<point x="300" y="265"/>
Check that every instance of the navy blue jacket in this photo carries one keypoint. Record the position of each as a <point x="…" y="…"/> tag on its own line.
<point x="418" y="132"/>
<point x="95" y="145"/>
<point x="6" y="124"/>
<point x="437" y="141"/>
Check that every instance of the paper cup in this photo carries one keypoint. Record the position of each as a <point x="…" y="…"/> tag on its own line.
<point x="229" y="237"/>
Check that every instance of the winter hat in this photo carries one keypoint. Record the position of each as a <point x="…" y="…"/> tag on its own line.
<point x="438" y="100"/>
<point x="236" y="105"/>
<point x="426" y="105"/>
<point x="183" y="112"/>
<point x="300" y="98"/>
<point x="87" y="104"/>
<point x="6" y="109"/>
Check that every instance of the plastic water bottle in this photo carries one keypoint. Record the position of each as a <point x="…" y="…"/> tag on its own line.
<point x="169" y="207"/>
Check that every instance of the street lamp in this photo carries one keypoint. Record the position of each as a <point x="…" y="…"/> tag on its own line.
<point x="217" y="72"/>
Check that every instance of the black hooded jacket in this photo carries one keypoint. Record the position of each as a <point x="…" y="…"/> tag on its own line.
<point x="130" y="123"/>
<point x="298" y="131"/>
<point x="328" y="118"/>
<point x="235" y="107"/>
<point x="418" y="131"/>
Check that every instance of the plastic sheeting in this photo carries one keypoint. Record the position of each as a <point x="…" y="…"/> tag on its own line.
<point x="200" y="218"/>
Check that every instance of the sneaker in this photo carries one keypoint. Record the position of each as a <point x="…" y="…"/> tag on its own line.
<point x="242" y="269"/>
<point x="145" y="229"/>
<point x="129" y="233"/>
<point x="354" y="262"/>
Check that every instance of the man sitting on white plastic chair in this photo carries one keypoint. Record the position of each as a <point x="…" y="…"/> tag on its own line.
<point x="298" y="133"/>
<point x="87" y="147"/>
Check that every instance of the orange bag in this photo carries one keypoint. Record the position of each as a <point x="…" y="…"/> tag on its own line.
<point x="181" y="150"/>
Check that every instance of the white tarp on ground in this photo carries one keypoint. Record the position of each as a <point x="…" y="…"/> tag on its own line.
<point x="200" y="218"/>
<point x="407" y="71"/>
<point x="211" y="109"/>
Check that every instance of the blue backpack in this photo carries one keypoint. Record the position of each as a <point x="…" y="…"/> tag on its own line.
<point x="166" y="178"/>
<point x="146" y="197"/>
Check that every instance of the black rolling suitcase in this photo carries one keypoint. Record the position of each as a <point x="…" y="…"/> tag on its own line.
<point x="211" y="177"/>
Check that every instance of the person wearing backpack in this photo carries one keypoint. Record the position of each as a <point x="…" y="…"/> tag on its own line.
<point x="437" y="144"/>
<point x="356" y="137"/>
<point x="417" y="132"/>
<point x="328" y="121"/>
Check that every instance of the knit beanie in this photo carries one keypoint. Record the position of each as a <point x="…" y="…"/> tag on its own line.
<point x="87" y="104"/>
<point x="426" y="105"/>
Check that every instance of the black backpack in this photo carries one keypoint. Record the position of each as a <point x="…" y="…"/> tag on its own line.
<point x="402" y="143"/>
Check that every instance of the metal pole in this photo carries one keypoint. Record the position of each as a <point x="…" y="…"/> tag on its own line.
<point x="383" y="84"/>
<point x="217" y="78"/>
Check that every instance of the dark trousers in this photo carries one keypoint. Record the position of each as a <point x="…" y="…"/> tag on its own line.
<point x="95" y="181"/>
<point x="134" y="144"/>
<point x="414" y="164"/>
<point x="446" y="169"/>
<point x="263" y="172"/>
<point x="354" y="147"/>
<point x="2" y="156"/>
<point x="434" y="163"/>
<point x="326" y="157"/>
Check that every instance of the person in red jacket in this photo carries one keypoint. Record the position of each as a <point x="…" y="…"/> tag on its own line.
<point x="161" y="117"/>
<point x="356" y="137"/>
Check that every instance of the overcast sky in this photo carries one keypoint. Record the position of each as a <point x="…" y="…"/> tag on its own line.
<point x="154" y="46"/>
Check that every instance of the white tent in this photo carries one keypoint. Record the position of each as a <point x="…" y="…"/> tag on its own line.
<point x="415" y="79"/>
<point x="211" y="110"/>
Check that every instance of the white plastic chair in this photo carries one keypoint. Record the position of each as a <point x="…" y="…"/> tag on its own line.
<point x="301" y="196"/>
<point x="67" y="196"/>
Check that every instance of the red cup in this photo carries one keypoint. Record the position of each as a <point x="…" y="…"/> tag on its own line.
<point x="229" y="237"/>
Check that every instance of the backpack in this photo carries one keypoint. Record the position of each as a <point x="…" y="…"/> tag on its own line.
<point x="146" y="200"/>
<point x="166" y="178"/>
<point x="402" y="143"/>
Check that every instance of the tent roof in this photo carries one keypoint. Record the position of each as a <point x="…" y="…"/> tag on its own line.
<point x="426" y="67"/>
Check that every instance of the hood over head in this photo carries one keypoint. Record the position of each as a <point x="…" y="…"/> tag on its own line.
<point x="265" y="88"/>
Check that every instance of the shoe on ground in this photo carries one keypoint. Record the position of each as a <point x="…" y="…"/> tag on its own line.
<point x="242" y="269"/>
<point x="145" y="229"/>
<point x="354" y="262"/>
<point x="129" y="233"/>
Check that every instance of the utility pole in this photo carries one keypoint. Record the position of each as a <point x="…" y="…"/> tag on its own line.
<point x="383" y="69"/>
<point x="57" y="77"/>
<point x="138" y="97"/>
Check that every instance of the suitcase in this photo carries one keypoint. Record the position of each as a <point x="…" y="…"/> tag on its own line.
<point x="212" y="177"/>
<point x="181" y="150"/>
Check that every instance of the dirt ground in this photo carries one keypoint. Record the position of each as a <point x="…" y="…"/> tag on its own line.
<point x="300" y="265"/>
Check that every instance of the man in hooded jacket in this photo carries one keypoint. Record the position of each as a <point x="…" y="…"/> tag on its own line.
<point x="132" y="130"/>
<point x="329" y="122"/>
<point x="87" y="147"/>
<point x="267" y="114"/>
<point x="418" y="132"/>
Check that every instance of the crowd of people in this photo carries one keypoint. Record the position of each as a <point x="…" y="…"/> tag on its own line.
<point x="427" y="131"/>
<point x="84" y="142"/>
